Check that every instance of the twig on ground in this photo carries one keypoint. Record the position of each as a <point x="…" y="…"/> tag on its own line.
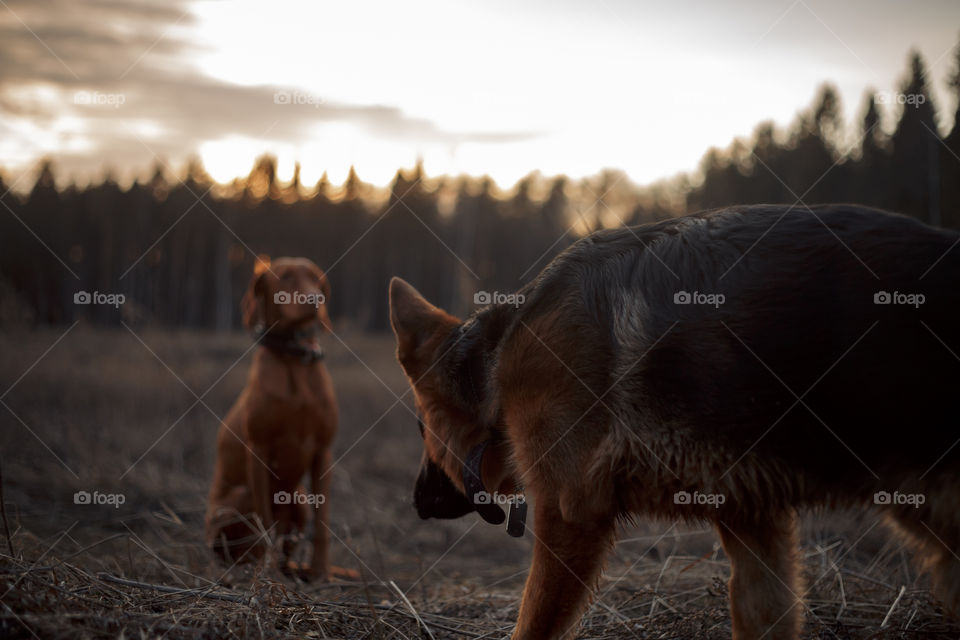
<point x="200" y="593"/>
<point x="886" y="618"/>
<point x="3" y="512"/>
<point x="412" y="610"/>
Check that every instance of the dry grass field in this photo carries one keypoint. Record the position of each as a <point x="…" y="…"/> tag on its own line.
<point x="134" y="412"/>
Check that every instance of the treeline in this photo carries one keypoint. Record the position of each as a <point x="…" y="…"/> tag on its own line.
<point x="914" y="170"/>
<point x="181" y="250"/>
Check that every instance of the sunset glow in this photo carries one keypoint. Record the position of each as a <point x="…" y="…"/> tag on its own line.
<point x="562" y="88"/>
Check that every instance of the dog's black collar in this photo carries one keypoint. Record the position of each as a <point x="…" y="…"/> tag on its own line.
<point x="483" y="501"/>
<point x="291" y="342"/>
<point x="473" y="485"/>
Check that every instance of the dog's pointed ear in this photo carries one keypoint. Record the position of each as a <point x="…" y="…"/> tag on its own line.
<point x="414" y="320"/>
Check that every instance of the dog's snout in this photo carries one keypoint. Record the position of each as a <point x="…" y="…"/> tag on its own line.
<point x="435" y="496"/>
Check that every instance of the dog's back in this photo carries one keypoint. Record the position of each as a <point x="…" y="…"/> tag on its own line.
<point x="731" y="367"/>
<point x="716" y="324"/>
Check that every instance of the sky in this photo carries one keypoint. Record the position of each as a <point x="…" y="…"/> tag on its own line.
<point x="496" y="88"/>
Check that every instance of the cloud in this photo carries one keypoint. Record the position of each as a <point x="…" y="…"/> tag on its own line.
<point x="115" y="71"/>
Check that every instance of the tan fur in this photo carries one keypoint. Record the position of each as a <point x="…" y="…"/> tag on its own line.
<point x="765" y="586"/>
<point x="449" y="434"/>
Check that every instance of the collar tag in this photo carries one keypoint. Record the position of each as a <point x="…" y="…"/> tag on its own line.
<point x="516" y="523"/>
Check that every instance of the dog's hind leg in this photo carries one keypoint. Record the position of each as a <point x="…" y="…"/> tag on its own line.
<point x="567" y="558"/>
<point x="943" y="563"/>
<point x="933" y="528"/>
<point x="765" y="588"/>
<point x="230" y="533"/>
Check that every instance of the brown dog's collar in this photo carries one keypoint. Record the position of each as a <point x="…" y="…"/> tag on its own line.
<point x="483" y="501"/>
<point x="291" y="342"/>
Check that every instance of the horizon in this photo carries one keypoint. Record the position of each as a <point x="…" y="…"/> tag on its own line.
<point x="286" y="173"/>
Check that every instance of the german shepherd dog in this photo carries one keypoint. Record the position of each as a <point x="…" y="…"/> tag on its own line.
<point x="728" y="367"/>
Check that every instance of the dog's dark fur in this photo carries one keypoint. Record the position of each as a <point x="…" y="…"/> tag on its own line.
<point x="609" y="397"/>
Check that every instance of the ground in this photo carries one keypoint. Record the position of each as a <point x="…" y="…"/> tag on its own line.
<point x="133" y="411"/>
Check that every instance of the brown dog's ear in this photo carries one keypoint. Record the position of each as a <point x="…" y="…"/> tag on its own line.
<point x="414" y="320"/>
<point x="322" y="315"/>
<point x="252" y="303"/>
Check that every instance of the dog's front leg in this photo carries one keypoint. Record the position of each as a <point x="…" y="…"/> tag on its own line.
<point x="567" y="558"/>
<point x="320" y="485"/>
<point x="258" y="477"/>
<point x="765" y="585"/>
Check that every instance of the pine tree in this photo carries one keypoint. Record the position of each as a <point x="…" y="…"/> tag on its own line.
<point x="871" y="183"/>
<point x="814" y="175"/>
<point x="950" y="156"/>
<point x="916" y="145"/>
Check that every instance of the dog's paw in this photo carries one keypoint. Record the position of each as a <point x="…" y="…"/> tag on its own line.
<point x="341" y="573"/>
<point x="298" y="569"/>
<point x="319" y="574"/>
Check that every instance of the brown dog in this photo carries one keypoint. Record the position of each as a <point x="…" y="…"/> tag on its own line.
<point x="728" y="367"/>
<point x="282" y="425"/>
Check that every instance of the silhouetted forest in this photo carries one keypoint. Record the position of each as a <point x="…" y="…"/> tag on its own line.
<point x="181" y="250"/>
